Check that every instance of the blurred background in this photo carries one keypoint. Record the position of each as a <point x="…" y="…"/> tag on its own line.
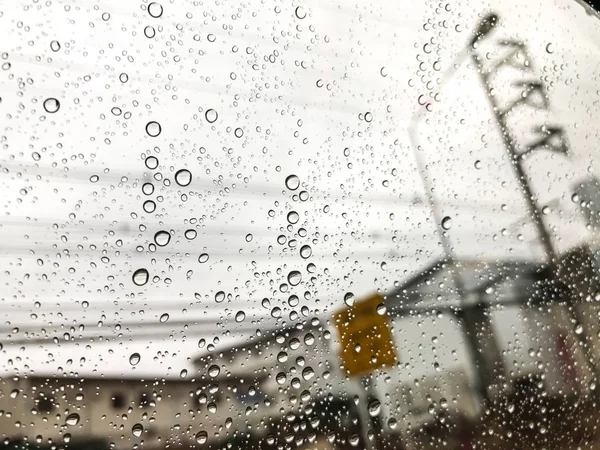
<point x="313" y="225"/>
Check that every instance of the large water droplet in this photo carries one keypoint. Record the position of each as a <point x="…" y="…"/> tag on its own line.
<point x="240" y="316"/>
<point x="214" y="370"/>
<point x="190" y="234"/>
<point x="72" y="419"/>
<point x="140" y="277"/>
<point x="300" y="12"/>
<point x="54" y="46"/>
<point x="211" y="116"/>
<point x="153" y="128"/>
<point x="292" y="182"/>
<point x="155" y="10"/>
<point x="51" y="105"/>
<point x="305" y="251"/>
<point x="374" y="408"/>
<point x="203" y="258"/>
<point x="134" y="359"/>
<point x="163" y="318"/>
<point x="151" y="162"/>
<point x="137" y="429"/>
<point x="294" y="278"/>
<point x="162" y="238"/>
<point x="183" y="177"/>
<point x="201" y="437"/>
<point x="349" y="298"/>
<point x="293" y="217"/>
<point x="447" y="223"/>
<point x="149" y="206"/>
<point x="219" y="296"/>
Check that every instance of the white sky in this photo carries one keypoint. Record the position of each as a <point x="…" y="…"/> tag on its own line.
<point x="365" y="219"/>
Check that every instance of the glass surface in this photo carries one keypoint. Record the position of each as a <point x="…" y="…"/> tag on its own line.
<point x="299" y="225"/>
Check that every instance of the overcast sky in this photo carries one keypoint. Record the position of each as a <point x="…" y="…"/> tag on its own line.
<point x="324" y="91"/>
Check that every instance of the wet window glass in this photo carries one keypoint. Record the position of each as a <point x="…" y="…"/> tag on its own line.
<point x="299" y="225"/>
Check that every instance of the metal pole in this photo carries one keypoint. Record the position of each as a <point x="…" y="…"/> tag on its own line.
<point x="543" y="233"/>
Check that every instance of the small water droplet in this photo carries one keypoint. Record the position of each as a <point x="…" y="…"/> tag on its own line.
<point x="149" y="32"/>
<point x="240" y="316"/>
<point x="238" y="132"/>
<point x="140" y="277"/>
<point x="549" y="47"/>
<point x="293" y="217"/>
<point x="300" y="12"/>
<point x="149" y="206"/>
<point x="383" y="71"/>
<point x="94" y="178"/>
<point x="163" y="318"/>
<point x="203" y="258"/>
<point x="219" y="296"/>
<point x="151" y="162"/>
<point x="190" y="234"/>
<point x="54" y="46"/>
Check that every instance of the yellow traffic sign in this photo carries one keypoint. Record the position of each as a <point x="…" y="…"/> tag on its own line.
<point x="365" y="336"/>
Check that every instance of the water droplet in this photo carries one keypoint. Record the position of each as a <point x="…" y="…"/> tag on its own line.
<point x="14" y="393"/>
<point x="140" y="277"/>
<point x="214" y="371"/>
<point x="162" y="238"/>
<point x="73" y="419"/>
<point x="550" y="47"/>
<point x="134" y="359"/>
<point x="212" y="407"/>
<point x="238" y="132"/>
<point x="392" y="423"/>
<point x="149" y="206"/>
<point x="446" y="223"/>
<point x="203" y="258"/>
<point x="240" y="316"/>
<point x="292" y="182"/>
<point x="153" y="128"/>
<point x="149" y="32"/>
<point x="294" y="278"/>
<point x="293" y="217"/>
<point x="308" y="373"/>
<point x="155" y="10"/>
<point x="211" y="116"/>
<point x="578" y="329"/>
<point x="94" y="178"/>
<point x="349" y="298"/>
<point x="300" y="12"/>
<point x="368" y="117"/>
<point x="67" y="438"/>
<point x="383" y="71"/>
<point x="163" y="318"/>
<point x="249" y="237"/>
<point x="137" y="429"/>
<point x="183" y="373"/>
<point x="201" y="437"/>
<point x="183" y="177"/>
<point x="51" y="105"/>
<point x="374" y="408"/>
<point x="148" y="188"/>
<point x="123" y="77"/>
<point x="54" y="46"/>
<point x="280" y="378"/>
<point x="151" y="162"/>
<point x="190" y="234"/>
<point x="477" y="164"/>
<point x="381" y="309"/>
<point x="305" y="251"/>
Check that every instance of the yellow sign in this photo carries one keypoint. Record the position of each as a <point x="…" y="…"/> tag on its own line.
<point x="365" y="336"/>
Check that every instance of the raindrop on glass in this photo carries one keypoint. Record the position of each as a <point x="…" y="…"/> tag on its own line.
<point x="151" y="162"/>
<point x="240" y="316"/>
<point x="183" y="177"/>
<point x="134" y="359"/>
<point x="213" y="371"/>
<point x="293" y="217"/>
<point x="137" y="430"/>
<point x="163" y="318"/>
<point x="300" y="12"/>
<point x="294" y="278"/>
<point x="446" y="223"/>
<point x="211" y="116"/>
<point x="305" y="251"/>
<point x="153" y="128"/>
<point x="140" y="277"/>
<point x="201" y="437"/>
<point x="54" y="46"/>
<point x="203" y="258"/>
<point x="292" y="182"/>
<point x="73" y="419"/>
<point x="162" y="238"/>
<point x="349" y="298"/>
<point x="51" y="105"/>
<point x="155" y="10"/>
